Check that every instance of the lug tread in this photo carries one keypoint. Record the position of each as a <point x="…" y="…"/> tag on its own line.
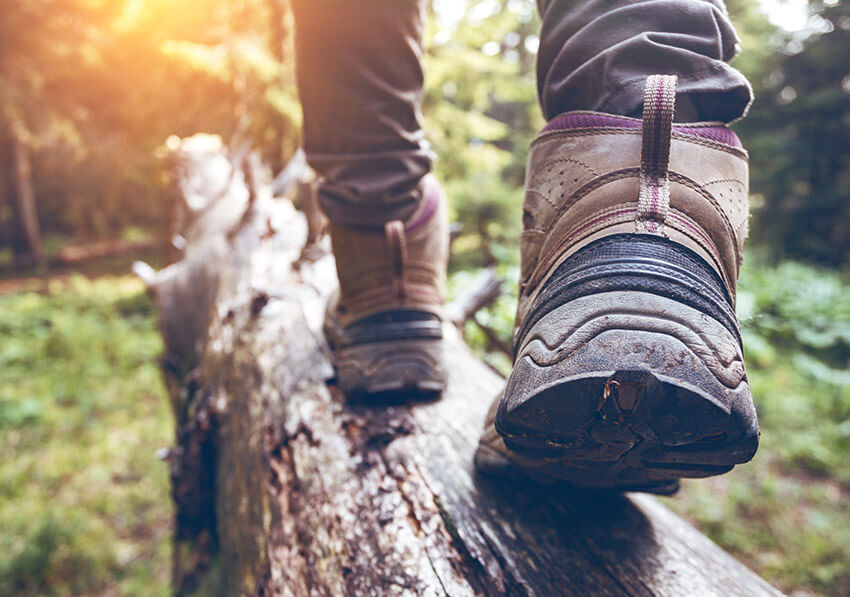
<point x="624" y="449"/>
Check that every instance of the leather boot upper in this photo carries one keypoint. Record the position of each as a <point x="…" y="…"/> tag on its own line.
<point x="592" y="175"/>
<point x="402" y="266"/>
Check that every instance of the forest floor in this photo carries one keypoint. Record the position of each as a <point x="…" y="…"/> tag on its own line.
<point x="84" y="501"/>
<point x="85" y="506"/>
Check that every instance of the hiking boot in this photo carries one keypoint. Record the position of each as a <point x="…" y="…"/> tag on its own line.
<point x="628" y="369"/>
<point x="384" y="325"/>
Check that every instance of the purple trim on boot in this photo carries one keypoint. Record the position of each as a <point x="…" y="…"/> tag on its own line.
<point x="719" y="133"/>
<point x="430" y="203"/>
<point x="583" y="120"/>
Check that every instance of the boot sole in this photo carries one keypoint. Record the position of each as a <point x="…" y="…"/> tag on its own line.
<point x="408" y="368"/>
<point x="629" y="390"/>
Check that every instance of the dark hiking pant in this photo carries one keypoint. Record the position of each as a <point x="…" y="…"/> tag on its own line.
<point x="360" y="80"/>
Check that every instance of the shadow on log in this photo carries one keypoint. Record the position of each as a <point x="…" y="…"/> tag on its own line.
<point x="282" y="487"/>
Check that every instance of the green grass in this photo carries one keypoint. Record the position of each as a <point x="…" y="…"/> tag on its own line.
<point x="84" y="503"/>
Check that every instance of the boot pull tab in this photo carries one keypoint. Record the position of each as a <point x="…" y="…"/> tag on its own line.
<point x="654" y="199"/>
<point x="397" y="248"/>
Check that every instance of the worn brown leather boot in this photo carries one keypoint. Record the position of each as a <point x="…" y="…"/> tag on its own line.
<point x="628" y="369"/>
<point x="384" y="325"/>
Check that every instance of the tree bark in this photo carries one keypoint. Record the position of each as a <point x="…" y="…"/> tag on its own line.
<point x="283" y="487"/>
<point x="25" y="199"/>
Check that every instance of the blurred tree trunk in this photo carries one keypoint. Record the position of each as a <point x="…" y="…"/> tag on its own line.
<point x="8" y="231"/>
<point x="25" y="198"/>
<point x="277" y="14"/>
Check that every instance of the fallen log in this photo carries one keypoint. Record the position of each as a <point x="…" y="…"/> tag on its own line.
<point x="282" y="487"/>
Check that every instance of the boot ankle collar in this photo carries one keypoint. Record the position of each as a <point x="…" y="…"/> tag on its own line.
<point x="432" y="195"/>
<point x="568" y="121"/>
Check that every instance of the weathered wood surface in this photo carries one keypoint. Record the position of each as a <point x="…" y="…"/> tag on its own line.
<point x="284" y="488"/>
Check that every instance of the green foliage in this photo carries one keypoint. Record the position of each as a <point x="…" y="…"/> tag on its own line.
<point x="796" y="323"/>
<point x="481" y="114"/>
<point x="797" y="307"/>
<point x="83" y="501"/>
<point x="95" y="87"/>
<point x="798" y="134"/>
